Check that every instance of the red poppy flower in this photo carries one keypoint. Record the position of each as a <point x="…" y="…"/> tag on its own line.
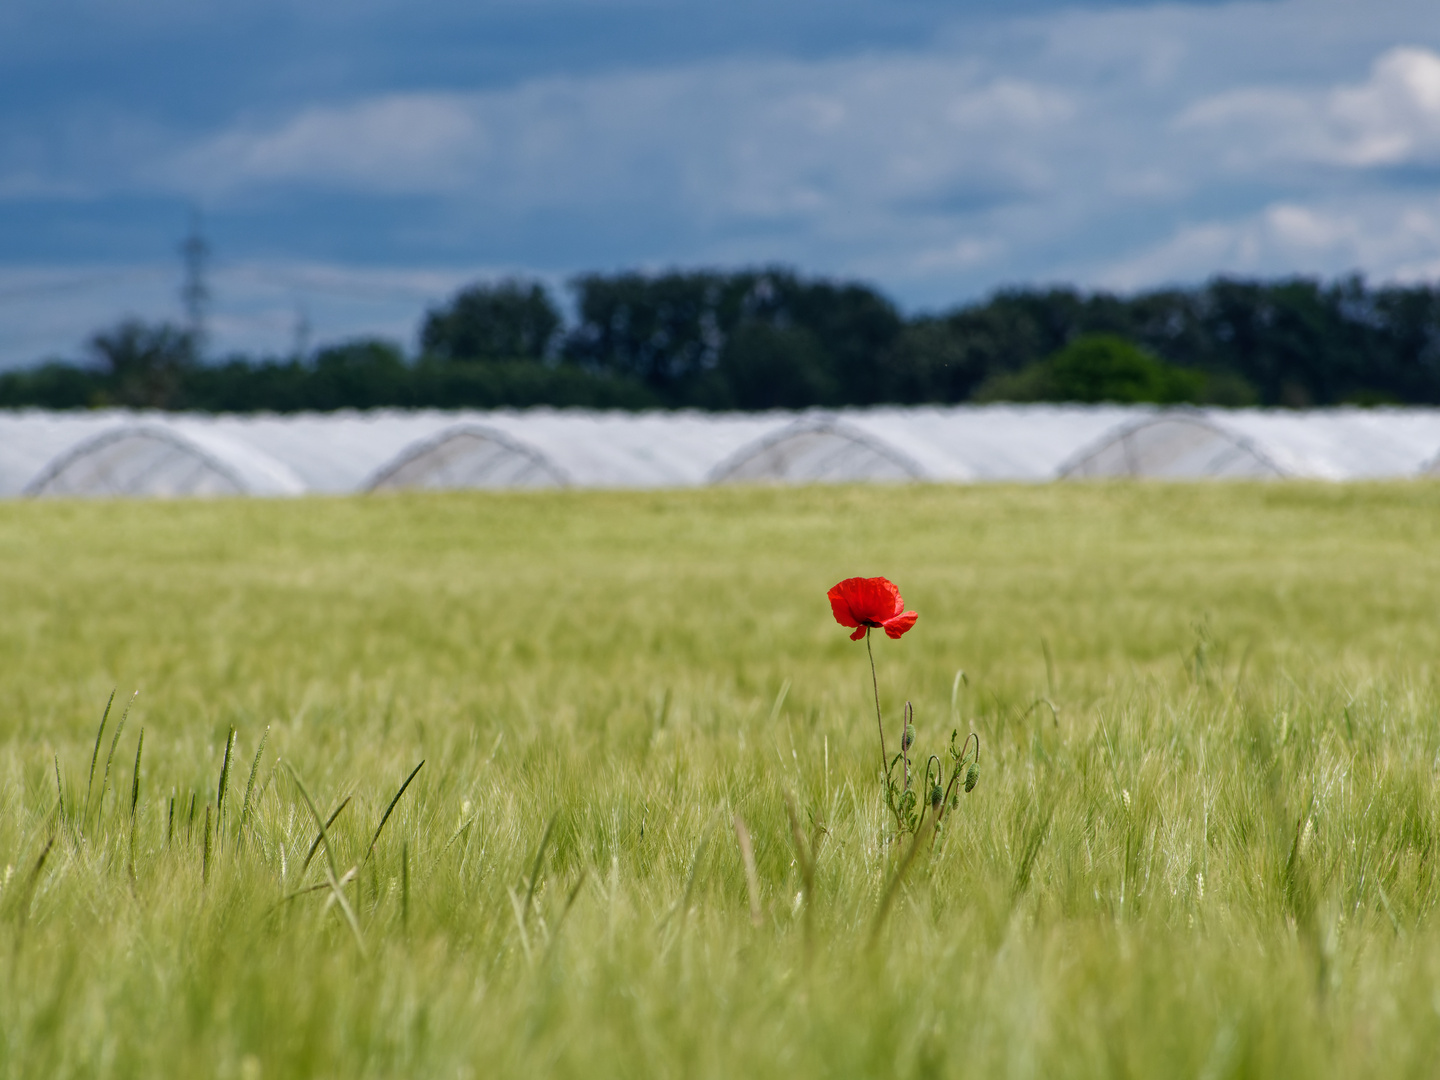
<point x="865" y="602"/>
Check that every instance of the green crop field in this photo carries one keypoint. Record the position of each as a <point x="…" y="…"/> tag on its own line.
<point x="1202" y="842"/>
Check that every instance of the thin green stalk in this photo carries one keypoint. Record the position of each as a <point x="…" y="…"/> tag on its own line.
<point x="224" y="782"/>
<point x="879" y="721"/>
<point x="95" y="754"/>
<point x="109" y="759"/>
<point x="59" y="789"/>
<point x="205" y="863"/>
<point x="921" y="834"/>
<point x="250" y="783"/>
<point x="806" y="858"/>
<point x="535" y="870"/>
<point x="135" y="783"/>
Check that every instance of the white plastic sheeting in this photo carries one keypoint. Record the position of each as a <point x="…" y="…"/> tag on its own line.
<point x="124" y="453"/>
<point x="1340" y="444"/>
<point x="468" y="455"/>
<point x="334" y="453"/>
<point x="963" y="443"/>
<point x="171" y="459"/>
<point x="553" y="448"/>
<point x="116" y="452"/>
<point x="30" y="440"/>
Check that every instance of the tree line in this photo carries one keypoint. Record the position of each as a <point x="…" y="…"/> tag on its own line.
<point x="772" y="338"/>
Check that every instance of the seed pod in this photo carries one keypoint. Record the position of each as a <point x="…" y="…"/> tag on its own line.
<point x="972" y="777"/>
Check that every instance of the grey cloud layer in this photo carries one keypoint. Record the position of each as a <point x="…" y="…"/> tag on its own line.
<point x="970" y="159"/>
<point x="1125" y="148"/>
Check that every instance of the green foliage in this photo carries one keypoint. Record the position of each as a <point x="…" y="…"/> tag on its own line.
<point x="51" y="385"/>
<point x="1209" y="850"/>
<point x="1103" y="367"/>
<point x="358" y="374"/>
<point x="721" y="339"/>
<point x="1095" y="368"/>
<point x="143" y="366"/>
<point x="513" y="320"/>
<point x="522" y="384"/>
<point x="775" y="367"/>
<point x="768" y="337"/>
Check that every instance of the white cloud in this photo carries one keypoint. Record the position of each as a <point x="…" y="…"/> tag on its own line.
<point x="1390" y="119"/>
<point x="753" y="140"/>
<point x="1396" y="238"/>
<point x="393" y="144"/>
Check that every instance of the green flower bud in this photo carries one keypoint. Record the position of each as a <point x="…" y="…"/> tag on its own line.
<point x="937" y="796"/>
<point x="908" y="739"/>
<point x="972" y="777"/>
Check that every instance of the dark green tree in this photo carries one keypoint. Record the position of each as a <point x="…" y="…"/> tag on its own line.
<point x="363" y="374"/>
<point x="775" y="367"/>
<point x="673" y="332"/>
<point x="1095" y="368"/>
<point x="507" y="321"/>
<point x="143" y="366"/>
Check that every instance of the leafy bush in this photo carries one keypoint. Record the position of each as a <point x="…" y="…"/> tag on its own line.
<point x="1096" y="368"/>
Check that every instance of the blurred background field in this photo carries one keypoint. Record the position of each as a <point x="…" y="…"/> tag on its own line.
<point x="1203" y="840"/>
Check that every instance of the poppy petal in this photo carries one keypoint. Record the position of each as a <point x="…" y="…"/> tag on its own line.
<point x="860" y="631"/>
<point x="900" y="623"/>
<point x="840" y="604"/>
<point x="868" y="601"/>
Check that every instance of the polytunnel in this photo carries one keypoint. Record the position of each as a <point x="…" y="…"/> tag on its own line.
<point x="956" y="444"/>
<point x="468" y="455"/>
<point x="116" y="452"/>
<point x="334" y="453"/>
<point x="554" y="448"/>
<point x="167" y="458"/>
<point x="31" y="439"/>
<point x="1341" y="444"/>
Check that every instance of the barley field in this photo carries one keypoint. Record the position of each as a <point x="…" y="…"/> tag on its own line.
<point x="1202" y="842"/>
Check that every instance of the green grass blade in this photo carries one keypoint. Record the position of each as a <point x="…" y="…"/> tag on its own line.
<point x="135" y="784"/>
<point x="386" y="816"/>
<point x="224" y="780"/>
<point x="314" y="813"/>
<point x="320" y="836"/>
<point x="110" y="757"/>
<point x="95" y="755"/>
<point x="59" y="789"/>
<point x="535" y="869"/>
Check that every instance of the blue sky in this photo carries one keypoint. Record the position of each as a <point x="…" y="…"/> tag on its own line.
<point x="355" y="162"/>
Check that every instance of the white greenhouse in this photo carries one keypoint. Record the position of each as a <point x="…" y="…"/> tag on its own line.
<point x="120" y="453"/>
<point x="1192" y="444"/>
<point x="959" y="444"/>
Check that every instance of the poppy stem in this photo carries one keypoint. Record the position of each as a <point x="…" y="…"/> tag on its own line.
<point x="875" y="683"/>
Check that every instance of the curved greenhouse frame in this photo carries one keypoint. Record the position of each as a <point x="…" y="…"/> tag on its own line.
<point x="468" y="455"/>
<point x="154" y="459"/>
<point x="1176" y="445"/>
<point x="1331" y="444"/>
<point x="821" y="449"/>
<point x="31" y="439"/>
<point x="117" y="452"/>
